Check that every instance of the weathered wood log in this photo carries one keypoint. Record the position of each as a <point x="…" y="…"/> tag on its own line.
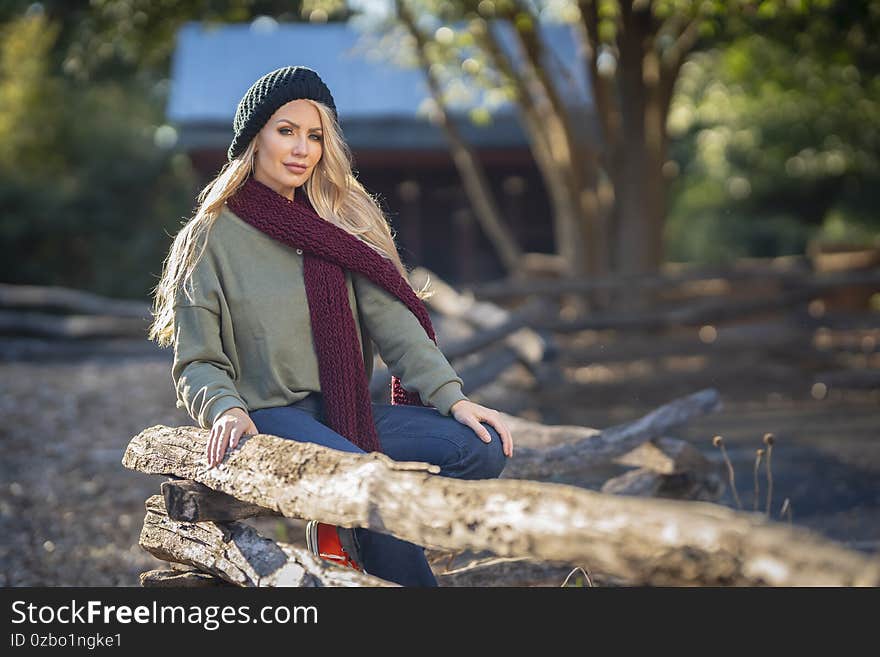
<point x="667" y="455"/>
<point x="644" y="482"/>
<point x="860" y="379"/>
<point x="190" y="501"/>
<point x="786" y="270"/>
<point x="492" y="571"/>
<point x="37" y="297"/>
<point x="837" y="320"/>
<point x="709" y="311"/>
<point x="643" y="541"/>
<point x="237" y="554"/>
<point x="493" y="322"/>
<point x="761" y="336"/>
<point x="585" y="448"/>
<point x="190" y="579"/>
<point x="493" y="362"/>
<point x="70" y="326"/>
<point x="45" y="349"/>
<point x="795" y="272"/>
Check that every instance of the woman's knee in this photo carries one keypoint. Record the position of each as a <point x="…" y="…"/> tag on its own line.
<point x="482" y="460"/>
<point x="495" y="459"/>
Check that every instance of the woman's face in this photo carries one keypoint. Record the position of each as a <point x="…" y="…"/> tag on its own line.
<point x="288" y="147"/>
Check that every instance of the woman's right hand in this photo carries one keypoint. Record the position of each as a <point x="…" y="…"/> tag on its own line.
<point x="230" y="426"/>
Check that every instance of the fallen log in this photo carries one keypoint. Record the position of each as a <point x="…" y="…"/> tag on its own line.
<point x="237" y="554"/>
<point x="491" y="321"/>
<point x="866" y="379"/>
<point x="644" y="482"/>
<point x="643" y="541"/>
<point x="773" y="336"/>
<point x="52" y="348"/>
<point x="667" y="455"/>
<point x="79" y="302"/>
<point x="790" y="271"/>
<point x="583" y="447"/>
<point x="492" y="363"/>
<point x="190" y="501"/>
<point x="70" y="326"/>
<point x="190" y="579"/>
<point x="709" y="311"/>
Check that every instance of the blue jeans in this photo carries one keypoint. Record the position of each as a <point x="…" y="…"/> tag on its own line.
<point x="406" y="433"/>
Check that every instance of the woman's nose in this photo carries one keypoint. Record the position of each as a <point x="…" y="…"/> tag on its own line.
<point x="300" y="147"/>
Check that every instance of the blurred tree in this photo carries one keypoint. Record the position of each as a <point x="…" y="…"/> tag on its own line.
<point x="106" y="39"/>
<point x="777" y="138"/>
<point x="85" y="192"/>
<point x="775" y="119"/>
<point x="608" y="191"/>
<point x="88" y="193"/>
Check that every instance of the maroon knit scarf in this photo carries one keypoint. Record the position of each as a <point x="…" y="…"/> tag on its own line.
<point x="327" y="251"/>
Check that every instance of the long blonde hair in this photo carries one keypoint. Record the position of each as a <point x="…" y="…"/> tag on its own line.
<point x="335" y="193"/>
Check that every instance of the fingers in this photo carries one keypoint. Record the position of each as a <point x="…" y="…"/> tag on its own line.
<point x="506" y="436"/>
<point x="478" y="428"/>
<point x="208" y="445"/>
<point x="221" y="436"/>
<point x="504" y="432"/>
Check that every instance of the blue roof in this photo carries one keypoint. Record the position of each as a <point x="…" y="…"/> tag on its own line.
<point x="214" y="65"/>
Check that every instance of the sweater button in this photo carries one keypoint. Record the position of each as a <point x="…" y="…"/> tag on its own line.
<point x="300" y="251"/>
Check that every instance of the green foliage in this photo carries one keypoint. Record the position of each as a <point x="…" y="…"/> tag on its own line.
<point x="87" y="197"/>
<point x="90" y="198"/>
<point x="777" y="138"/>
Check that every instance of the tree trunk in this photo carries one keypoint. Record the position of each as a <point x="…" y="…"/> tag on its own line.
<point x="473" y="176"/>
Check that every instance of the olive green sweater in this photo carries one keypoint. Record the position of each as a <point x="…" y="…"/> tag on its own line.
<point x="245" y="339"/>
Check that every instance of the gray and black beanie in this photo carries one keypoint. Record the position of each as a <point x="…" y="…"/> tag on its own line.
<point x="269" y="93"/>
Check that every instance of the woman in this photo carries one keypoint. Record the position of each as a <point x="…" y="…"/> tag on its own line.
<point x="273" y="319"/>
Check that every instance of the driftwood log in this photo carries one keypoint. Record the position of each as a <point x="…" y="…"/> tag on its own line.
<point x="492" y="321"/>
<point x="502" y="337"/>
<point x="644" y="482"/>
<point x="790" y="338"/>
<point x="712" y="310"/>
<point x="642" y="541"/>
<point x="70" y="326"/>
<point x="236" y="553"/>
<point x="190" y="501"/>
<point x="43" y="298"/>
<point x="190" y="579"/>
<point x="485" y="571"/>
<point x="493" y="362"/>
<point x="535" y="349"/>
<point x="788" y="271"/>
<point x="581" y="447"/>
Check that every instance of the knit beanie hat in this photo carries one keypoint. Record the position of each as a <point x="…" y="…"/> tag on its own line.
<point x="269" y="93"/>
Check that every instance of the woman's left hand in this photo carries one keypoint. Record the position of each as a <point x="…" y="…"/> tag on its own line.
<point x="471" y="414"/>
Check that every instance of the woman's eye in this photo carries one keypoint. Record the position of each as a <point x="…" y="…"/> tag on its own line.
<point x="317" y="137"/>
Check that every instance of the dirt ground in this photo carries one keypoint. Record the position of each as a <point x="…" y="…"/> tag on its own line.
<point x="70" y="514"/>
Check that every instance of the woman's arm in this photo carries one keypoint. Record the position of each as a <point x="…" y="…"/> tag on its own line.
<point x="405" y="347"/>
<point x="202" y="373"/>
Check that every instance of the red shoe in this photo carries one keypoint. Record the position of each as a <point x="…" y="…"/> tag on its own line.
<point x="325" y="541"/>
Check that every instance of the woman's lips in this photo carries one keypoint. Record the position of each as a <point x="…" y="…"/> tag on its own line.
<point x="296" y="168"/>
